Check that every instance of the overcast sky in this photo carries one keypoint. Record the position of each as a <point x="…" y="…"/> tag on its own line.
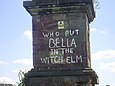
<point x="16" y="46"/>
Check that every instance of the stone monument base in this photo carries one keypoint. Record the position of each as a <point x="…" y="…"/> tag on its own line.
<point x="86" y="77"/>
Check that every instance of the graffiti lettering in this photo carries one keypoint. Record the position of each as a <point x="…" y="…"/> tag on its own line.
<point x="61" y="59"/>
<point x="60" y="42"/>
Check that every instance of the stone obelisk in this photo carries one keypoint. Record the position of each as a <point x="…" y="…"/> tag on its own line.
<point x="61" y="44"/>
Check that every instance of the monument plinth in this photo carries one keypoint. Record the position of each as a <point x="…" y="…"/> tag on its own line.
<point x="61" y="45"/>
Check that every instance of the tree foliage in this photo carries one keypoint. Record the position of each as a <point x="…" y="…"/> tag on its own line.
<point x="21" y="78"/>
<point x="96" y="4"/>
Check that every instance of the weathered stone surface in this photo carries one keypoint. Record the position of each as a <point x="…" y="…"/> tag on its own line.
<point x="61" y="49"/>
<point x="61" y="44"/>
<point x="40" y="7"/>
<point x="84" y="77"/>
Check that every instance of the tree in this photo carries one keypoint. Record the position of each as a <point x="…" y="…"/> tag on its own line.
<point x="96" y="4"/>
<point x="21" y="78"/>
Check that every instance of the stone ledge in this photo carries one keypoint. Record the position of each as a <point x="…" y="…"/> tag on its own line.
<point x="35" y="8"/>
<point x="37" y="77"/>
<point x="49" y="73"/>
